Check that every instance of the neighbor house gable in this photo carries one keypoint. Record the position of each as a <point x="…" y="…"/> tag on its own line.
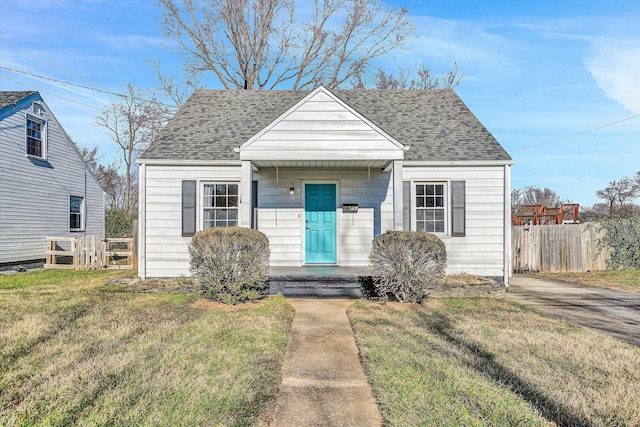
<point x="321" y="127"/>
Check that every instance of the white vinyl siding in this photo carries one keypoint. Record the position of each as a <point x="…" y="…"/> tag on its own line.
<point x="321" y="128"/>
<point x="481" y="250"/>
<point x="165" y="249"/>
<point x="34" y="195"/>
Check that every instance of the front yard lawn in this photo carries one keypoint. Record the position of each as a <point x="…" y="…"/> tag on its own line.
<point x="491" y="362"/>
<point x="76" y="352"/>
<point x="619" y="280"/>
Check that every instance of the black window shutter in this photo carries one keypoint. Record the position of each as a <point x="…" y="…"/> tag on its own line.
<point x="254" y="204"/>
<point x="406" y="205"/>
<point x="458" y="227"/>
<point x="188" y="208"/>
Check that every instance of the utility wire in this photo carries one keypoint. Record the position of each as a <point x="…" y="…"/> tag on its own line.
<point x="576" y="134"/>
<point x="108" y="92"/>
<point x="52" y="94"/>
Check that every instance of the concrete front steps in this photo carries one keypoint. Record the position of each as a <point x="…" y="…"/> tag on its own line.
<point x="303" y="286"/>
<point x="317" y="281"/>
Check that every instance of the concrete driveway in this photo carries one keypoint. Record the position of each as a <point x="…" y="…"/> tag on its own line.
<point x="613" y="313"/>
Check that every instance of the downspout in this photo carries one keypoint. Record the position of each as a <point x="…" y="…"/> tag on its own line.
<point x="507" y="226"/>
<point x="142" y="222"/>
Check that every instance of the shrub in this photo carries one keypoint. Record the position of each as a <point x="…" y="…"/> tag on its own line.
<point x="231" y="263"/>
<point x="623" y="238"/>
<point x="407" y="264"/>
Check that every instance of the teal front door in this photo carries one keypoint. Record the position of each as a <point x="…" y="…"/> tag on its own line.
<point x="320" y="218"/>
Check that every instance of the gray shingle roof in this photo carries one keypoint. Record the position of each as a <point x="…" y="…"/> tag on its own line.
<point x="8" y="97"/>
<point x="437" y="125"/>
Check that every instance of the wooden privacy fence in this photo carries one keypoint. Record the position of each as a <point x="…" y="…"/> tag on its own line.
<point x="91" y="253"/>
<point x="557" y="248"/>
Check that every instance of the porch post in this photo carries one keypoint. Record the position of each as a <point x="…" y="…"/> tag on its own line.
<point x="245" y="195"/>
<point x="398" y="217"/>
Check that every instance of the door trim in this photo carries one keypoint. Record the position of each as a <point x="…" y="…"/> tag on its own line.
<point x="304" y="183"/>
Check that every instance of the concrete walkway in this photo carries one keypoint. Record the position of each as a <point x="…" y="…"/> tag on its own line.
<point x="323" y="383"/>
<point x="613" y="313"/>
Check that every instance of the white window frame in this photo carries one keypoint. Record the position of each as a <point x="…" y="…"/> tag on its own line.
<point x="81" y="213"/>
<point x="43" y="137"/>
<point x="202" y="205"/>
<point x="446" y="208"/>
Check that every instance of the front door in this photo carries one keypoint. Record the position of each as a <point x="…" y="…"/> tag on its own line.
<point x="320" y="218"/>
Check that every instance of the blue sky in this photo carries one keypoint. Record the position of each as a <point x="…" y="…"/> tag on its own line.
<point x="535" y="71"/>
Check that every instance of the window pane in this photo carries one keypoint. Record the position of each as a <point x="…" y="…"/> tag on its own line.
<point x="233" y="189"/>
<point x="420" y="226"/>
<point x="438" y="215"/>
<point x="420" y="215"/>
<point x="221" y="214"/>
<point x="419" y="202"/>
<point x="439" y="227"/>
<point x="439" y="190"/>
<point x="233" y="201"/>
<point x="221" y="189"/>
<point x="419" y="190"/>
<point x="440" y="202"/>
<point x="430" y="190"/>
<point x="233" y="214"/>
<point x="221" y="202"/>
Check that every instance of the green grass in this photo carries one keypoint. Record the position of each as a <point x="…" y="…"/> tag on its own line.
<point x="490" y="362"/>
<point x="76" y="352"/>
<point x="619" y="280"/>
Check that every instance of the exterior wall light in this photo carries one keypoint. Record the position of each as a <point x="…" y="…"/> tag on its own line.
<point x="292" y="191"/>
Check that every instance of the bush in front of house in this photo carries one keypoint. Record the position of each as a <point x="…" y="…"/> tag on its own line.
<point x="231" y="263"/>
<point x="407" y="265"/>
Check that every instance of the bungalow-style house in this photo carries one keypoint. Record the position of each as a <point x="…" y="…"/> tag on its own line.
<point x="46" y="188"/>
<point x="322" y="173"/>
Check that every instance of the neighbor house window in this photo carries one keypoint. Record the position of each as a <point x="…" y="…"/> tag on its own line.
<point x="75" y="213"/>
<point x="430" y="207"/>
<point x="35" y="138"/>
<point x="220" y="205"/>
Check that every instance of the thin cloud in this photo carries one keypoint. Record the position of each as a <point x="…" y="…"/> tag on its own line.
<point x="615" y="66"/>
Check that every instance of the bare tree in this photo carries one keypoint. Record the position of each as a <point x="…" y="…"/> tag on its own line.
<point x="132" y="123"/>
<point x="424" y="79"/>
<point x="532" y="195"/>
<point x="170" y="86"/>
<point x="265" y="44"/>
<point x="109" y="177"/>
<point x="618" y="195"/>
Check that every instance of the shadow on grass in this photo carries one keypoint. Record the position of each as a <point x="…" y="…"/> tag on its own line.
<point x="485" y="364"/>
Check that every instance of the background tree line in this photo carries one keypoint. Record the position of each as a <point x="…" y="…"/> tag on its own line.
<point x="617" y="199"/>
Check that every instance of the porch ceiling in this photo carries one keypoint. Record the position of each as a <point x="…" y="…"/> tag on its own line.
<point x="330" y="164"/>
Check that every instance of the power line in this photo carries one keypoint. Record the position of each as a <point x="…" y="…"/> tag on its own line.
<point x="576" y="134"/>
<point x="108" y="92"/>
<point x="61" y="81"/>
<point x="52" y="94"/>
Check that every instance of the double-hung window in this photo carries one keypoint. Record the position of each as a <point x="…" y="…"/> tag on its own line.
<point x="75" y="213"/>
<point x="431" y="207"/>
<point x="36" y="144"/>
<point x="220" y="205"/>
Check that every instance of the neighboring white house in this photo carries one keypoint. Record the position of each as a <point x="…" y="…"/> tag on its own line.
<point x="46" y="188"/>
<point x="322" y="173"/>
